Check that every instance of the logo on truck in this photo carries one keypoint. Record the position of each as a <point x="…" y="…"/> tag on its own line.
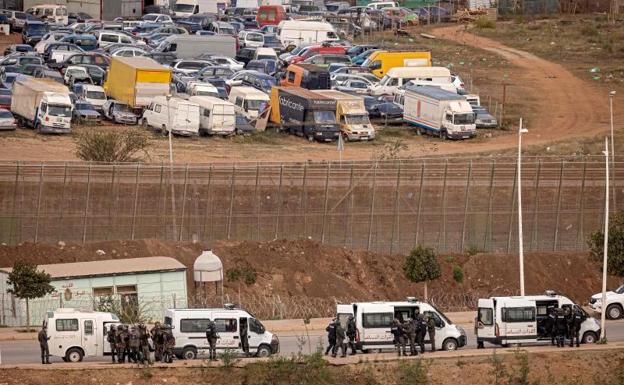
<point x="284" y="102"/>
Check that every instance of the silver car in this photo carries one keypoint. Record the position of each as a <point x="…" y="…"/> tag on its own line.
<point x="7" y="121"/>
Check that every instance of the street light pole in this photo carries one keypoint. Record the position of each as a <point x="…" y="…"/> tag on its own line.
<point x="605" y="245"/>
<point x="519" y="183"/>
<point x="611" y="95"/>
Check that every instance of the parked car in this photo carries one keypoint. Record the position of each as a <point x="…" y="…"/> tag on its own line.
<point x="7" y="121"/>
<point x="243" y="127"/>
<point x="266" y="66"/>
<point x="97" y="73"/>
<point x="119" y="112"/>
<point x="215" y="72"/>
<point x="85" y="113"/>
<point x="17" y="48"/>
<point x="58" y="52"/>
<point x="189" y="67"/>
<point x="157" y="18"/>
<point x="353" y="85"/>
<point x="324" y="60"/>
<point x="483" y="118"/>
<point x="45" y="73"/>
<point x="78" y="17"/>
<point x="92" y="58"/>
<point x="5" y="98"/>
<point x="235" y="65"/>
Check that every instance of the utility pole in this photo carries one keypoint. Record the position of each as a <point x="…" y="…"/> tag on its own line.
<point x="611" y="95"/>
<point x="603" y="333"/>
<point x="519" y="184"/>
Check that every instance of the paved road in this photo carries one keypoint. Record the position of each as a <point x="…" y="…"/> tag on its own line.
<point x="27" y="352"/>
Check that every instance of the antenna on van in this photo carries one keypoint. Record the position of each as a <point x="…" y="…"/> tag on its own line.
<point x="550" y="293"/>
<point x="229" y="306"/>
<point x="411" y="299"/>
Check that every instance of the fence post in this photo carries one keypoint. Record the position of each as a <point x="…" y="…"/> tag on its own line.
<point x="230" y="211"/>
<point x="136" y="199"/>
<point x="396" y="208"/>
<point x="304" y="200"/>
<point x="349" y="230"/>
<point x="162" y="209"/>
<point x="372" y="209"/>
<point x="186" y="170"/>
<point x="420" y="194"/>
<point x="279" y="201"/>
<point x="39" y="203"/>
<point x="208" y="203"/>
<point x="442" y="237"/>
<point x="62" y="204"/>
<point x="466" y="198"/>
<point x="257" y="202"/>
<point x="559" y="191"/>
<point x="86" y="210"/>
<point x="535" y="240"/>
<point x="15" y="213"/>
<point x="488" y="225"/>
<point x="581" y="217"/>
<point x="325" y="202"/>
<point x="513" y="206"/>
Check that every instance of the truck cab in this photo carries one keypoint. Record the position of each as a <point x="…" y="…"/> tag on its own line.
<point x="351" y="115"/>
<point x="459" y="121"/>
<point x="54" y="113"/>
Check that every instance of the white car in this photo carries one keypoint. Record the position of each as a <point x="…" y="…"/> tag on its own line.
<point x="7" y="121"/>
<point x="189" y="67"/>
<point x="48" y="38"/>
<point x="459" y="84"/>
<point x="72" y="71"/>
<point x="95" y="95"/>
<point x="614" y="305"/>
<point x="157" y="18"/>
<point x="227" y="62"/>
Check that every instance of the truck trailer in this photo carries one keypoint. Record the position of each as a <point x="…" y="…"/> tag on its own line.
<point x="137" y="80"/>
<point x="351" y="115"/>
<point x="438" y="112"/>
<point x="304" y="113"/>
<point x="43" y="104"/>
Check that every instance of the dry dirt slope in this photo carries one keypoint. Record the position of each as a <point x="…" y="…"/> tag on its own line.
<point x="306" y="269"/>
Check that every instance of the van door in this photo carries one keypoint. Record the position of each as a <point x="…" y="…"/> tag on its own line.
<point x="518" y="320"/>
<point x="374" y="326"/>
<point x="485" y="328"/>
<point x="89" y="338"/>
<point x="181" y="114"/>
<point x="257" y="334"/>
<point x="227" y="327"/>
<point x="343" y="311"/>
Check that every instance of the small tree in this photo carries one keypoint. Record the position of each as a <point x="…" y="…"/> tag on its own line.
<point x="112" y="146"/>
<point x="615" y="248"/>
<point x="26" y="282"/>
<point x="421" y="265"/>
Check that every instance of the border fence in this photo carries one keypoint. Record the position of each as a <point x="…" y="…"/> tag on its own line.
<point x="453" y="204"/>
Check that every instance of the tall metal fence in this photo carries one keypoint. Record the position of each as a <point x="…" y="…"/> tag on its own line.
<point x="385" y="206"/>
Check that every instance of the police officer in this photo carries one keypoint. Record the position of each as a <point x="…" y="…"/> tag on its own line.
<point x="144" y="345"/>
<point x="134" y="344"/>
<point x="399" y="336"/>
<point x="120" y="342"/>
<point x="421" y="332"/>
<point x="111" y="339"/>
<point x="351" y="334"/>
<point x="212" y="336"/>
<point x="169" y="340"/>
<point x="244" y="335"/>
<point x="550" y="325"/>
<point x="43" y="338"/>
<point x="431" y="330"/>
<point x="331" y="336"/>
<point x="561" y="327"/>
<point x="410" y="328"/>
<point x="575" y="320"/>
<point x="340" y="338"/>
<point x="157" y="339"/>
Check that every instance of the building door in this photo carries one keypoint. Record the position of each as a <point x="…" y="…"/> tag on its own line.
<point x="89" y="338"/>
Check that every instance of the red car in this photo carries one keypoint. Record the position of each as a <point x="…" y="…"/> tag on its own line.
<point x="317" y="50"/>
<point x="270" y="15"/>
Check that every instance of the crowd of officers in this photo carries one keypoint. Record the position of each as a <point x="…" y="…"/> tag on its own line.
<point x="411" y="331"/>
<point x="561" y="324"/>
<point x="131" y="343"/>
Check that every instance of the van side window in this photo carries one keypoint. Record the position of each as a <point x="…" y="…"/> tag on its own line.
<point x="226" y="325"/>
<point x="206" y="112"/>
<point x="196" y="325"/>
<point x="377" y="320"/>
<point x="291" y="77"/>
<point x="255" y="326"/>
<point x="108" y="38"/>
<point x="157" y="108"/>
<point x="126" y="40"/>
<point x="67" y="325"/>
<point x="436" y="318"/>
<point x="239" y="101"/>
<point x="88" y="327"/>
<point x="518" y="314"/>
<point x="486" y="316"/>
<point x="44" y="107"/>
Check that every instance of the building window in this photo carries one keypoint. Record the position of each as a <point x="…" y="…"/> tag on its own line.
<point x="102" y="291"/>
<point x="66" y="325"/>
<point x="127" y="289"/>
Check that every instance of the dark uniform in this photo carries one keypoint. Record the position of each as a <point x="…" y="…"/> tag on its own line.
<point x="244" y="335"/>
<point x="421" y="332"/>
<point x="169" y="345"/>
<point x="43" y="344"/>
<point x="212" y="336"/>
<point x="120" y="342"/>
<point x="410" y="328"/>
<point x="111" y="336"/>
<point x="144" y="353"/>
<point x="431" y="331"/>
<point x="575" y="320"/>
<point x="331" y="336"/>
<point x="340" y="338"/>
<point x="561" y="327"/>
<point x="351" y="334"/>
<point x="157" y="340"/>
<point x="134" y="344"/>
<point x="399" y="336"/>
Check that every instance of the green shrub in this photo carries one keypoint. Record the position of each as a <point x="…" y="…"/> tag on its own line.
<point x="484" y="23"/>
<point x="615" y="252"/>
<point x="112" y="146"/>
<point x="458" y="274"/>
<point x="242" y="271"/>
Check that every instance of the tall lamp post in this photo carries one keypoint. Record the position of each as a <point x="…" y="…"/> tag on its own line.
<point x="170" y="134"/>
<point x="606" y="244"/>
<point x="611" y="95"/>
<point x="519" y="183"/>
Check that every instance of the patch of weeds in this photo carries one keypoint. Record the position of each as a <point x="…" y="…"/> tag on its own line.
<point x="521" y="377"/>
<point x="458" y="274"/>
<point x="228" y="358"/>
<point x="484" y="23"/>
<point x="266" y="137"/>
<point x="413" y="372"/>
<point x="368" y="377"/>
<point x="498" y="370"/>
<point x="460" y="364"/>
<point x="449" y="259"/>
<point x="242" y="271"/>
<point x="473" y="250"/>
<point x="602" y="341"/>
<point x="589" y="30"/>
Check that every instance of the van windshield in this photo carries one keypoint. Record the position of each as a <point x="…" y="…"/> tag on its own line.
<point x="96" y="95"/>
<point x="442" y="315"/>
<point x="324" y="117"/>
<point x="357" y="119"/>
<point x="64" y="111"/>
<point x="255" y="105"/>
<point x="184" y="8"/>
<point x="464" y="118"/>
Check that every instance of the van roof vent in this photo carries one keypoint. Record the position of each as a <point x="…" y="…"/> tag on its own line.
<point x="229" y="306"/>
<point x="411" y="299"/>
<point x="550" y="293"/>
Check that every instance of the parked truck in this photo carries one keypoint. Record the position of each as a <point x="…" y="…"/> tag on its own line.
<point x="43" y="104"/>
<point x="136" y="80"/>
<point x="304" y="113"/>
<point x="351" y="115"/>
<point x="438" y="112"/>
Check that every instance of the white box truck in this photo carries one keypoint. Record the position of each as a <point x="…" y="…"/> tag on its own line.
<point x="351" y="115"/>
<point x="189" y="330"/>
<point x="76" y="334"/>
<point x="176" y="114"/>
<point x="43" y="104"/>
<point x="296" y="32"/>
<point x="438" y="112"/>
<point x="186" y="8"/>
<point x="216" y="116"/>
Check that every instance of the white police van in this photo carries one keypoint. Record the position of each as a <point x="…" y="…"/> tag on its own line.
<point x="519" y="320"/>
<point x="189" y="329"/>
<point x="76" y="334"/>
<point x="374" y="319"/>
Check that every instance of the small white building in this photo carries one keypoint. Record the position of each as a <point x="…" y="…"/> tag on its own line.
<point x="149" y="285"/>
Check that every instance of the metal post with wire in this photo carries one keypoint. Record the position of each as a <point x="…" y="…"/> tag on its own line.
<point x="170" y="134"/>
<point x="519" y="183"/>
<point x="611" y="95"/>
<point x="603" y="333"/>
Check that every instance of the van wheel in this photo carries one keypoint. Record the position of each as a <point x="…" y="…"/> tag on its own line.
<point x="443" y="135"/>
<point x="189" y="353"/>
<point x="74" y="355"/>
<point x="449" y="344"/>
<point x="38" y="128"/>
<point x="144" y="124"/>
<point x="310" y="138"/>
<point x="163" y="131"/>
<point x="614" y="311"/>
<point x="589" y="338"/>
<point x="263" y="351"/>
<point x="480" y="345"/>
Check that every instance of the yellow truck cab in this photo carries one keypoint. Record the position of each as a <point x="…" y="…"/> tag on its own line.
<point x="380" y="62"/>
<point x="351" y="115"/>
